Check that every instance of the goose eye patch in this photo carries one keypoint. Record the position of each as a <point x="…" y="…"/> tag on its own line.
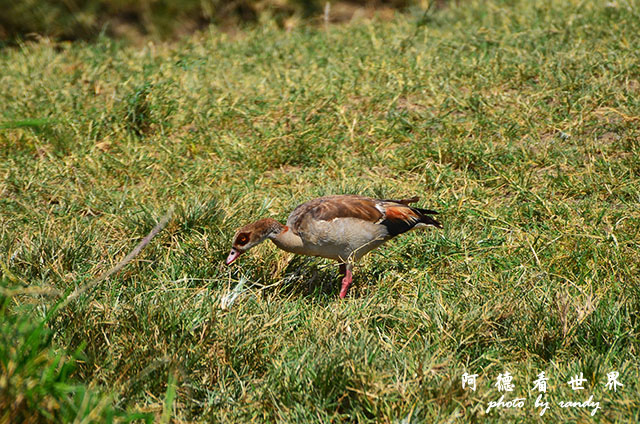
<point x="242" y="239"/>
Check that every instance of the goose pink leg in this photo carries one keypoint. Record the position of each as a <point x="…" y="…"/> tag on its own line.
<point x="346" y="281"/>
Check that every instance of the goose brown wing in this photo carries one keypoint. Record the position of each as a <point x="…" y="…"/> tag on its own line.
<point x="331" y="207"/>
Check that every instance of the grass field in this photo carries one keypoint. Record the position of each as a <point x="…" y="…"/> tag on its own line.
<point x="518" y="120"/>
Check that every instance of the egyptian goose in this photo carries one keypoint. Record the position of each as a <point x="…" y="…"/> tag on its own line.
<point x="343" y="228"/>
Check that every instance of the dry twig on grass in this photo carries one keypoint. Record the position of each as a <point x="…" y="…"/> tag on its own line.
<point x="135" y="252"/>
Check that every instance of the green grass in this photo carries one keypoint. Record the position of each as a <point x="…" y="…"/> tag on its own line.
<point x="518" y="121"/>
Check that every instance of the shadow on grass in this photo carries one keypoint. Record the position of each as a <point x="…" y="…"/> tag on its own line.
<point x="310" y="278"/>
<point x="319" y="280"/>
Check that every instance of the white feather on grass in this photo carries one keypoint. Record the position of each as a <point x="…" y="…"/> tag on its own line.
<point x="228" y="299"/>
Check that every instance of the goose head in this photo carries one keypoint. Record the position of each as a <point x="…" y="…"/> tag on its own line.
<point x="252" y="235"/>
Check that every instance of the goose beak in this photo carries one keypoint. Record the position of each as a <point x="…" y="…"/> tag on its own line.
<point x="233" y="255"/>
